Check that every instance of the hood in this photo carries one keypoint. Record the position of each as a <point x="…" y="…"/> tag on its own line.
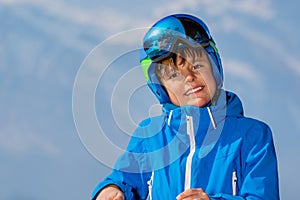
<point x="228" y="105"/>
<point x="234" y="105"/>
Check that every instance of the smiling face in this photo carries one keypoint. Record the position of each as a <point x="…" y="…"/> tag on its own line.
<point x="188" y="78"/>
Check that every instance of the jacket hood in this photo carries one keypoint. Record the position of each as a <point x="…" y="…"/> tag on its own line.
<point x="234" y="105"/>
<point x="228" y="104"/>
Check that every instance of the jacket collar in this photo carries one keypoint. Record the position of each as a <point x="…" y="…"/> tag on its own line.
<point x="227" y="104"/>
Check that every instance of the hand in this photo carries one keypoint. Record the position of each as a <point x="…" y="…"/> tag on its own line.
<point x="111" y="192"/>
<point x="193" y="194"/>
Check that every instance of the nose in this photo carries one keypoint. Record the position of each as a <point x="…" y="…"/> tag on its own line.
<point x="189" y="75"/>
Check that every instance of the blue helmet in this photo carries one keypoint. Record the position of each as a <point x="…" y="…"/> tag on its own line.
<point x="165" y="35"/>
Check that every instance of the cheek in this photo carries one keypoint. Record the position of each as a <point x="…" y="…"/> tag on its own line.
<point x="171" y="86"/>
<point x="212" y="85"/>
<point x="209" y="80"/>
<point x="173" y="89"/>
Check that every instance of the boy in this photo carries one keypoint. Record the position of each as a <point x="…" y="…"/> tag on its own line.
<point x="202" y="146"/>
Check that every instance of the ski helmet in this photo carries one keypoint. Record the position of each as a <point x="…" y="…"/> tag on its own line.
<point x="165" y="35"/>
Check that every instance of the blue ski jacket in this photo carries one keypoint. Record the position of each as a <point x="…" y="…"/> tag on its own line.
<point x="215" y="148"/>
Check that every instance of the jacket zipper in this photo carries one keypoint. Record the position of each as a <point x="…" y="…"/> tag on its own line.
<point x="188" y="167"/>
<point x="234" y="182"/>
<point x="150" y="185"/>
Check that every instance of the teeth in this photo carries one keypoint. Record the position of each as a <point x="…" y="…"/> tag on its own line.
<point x="194" y="90"/>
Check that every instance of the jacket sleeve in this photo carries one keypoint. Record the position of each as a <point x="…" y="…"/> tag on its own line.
<point x="128" y="173"/>
<point x="259" y="174"/>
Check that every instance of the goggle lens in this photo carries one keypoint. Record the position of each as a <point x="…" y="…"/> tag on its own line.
<point x="162" y="39"/>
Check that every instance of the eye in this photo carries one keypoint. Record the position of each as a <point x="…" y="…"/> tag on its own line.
<point x="196" y="67"/>
<point x="173" y="75"/>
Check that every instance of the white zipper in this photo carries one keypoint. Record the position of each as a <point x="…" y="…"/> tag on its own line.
<point x="150" y="185"/>
<point x="234" y="182"/>
<point x="188" y="167"/>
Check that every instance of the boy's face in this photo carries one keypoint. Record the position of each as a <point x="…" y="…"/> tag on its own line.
<point x="191" y="82"/>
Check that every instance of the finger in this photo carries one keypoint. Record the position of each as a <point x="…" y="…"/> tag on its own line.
<point x="196" y="197"/>
<point x="205" y="196"/>
<point x="195" y="192"/>
<point x="191" y="192"/>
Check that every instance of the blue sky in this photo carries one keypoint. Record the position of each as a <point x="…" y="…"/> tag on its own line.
<point x="45" y="45"/>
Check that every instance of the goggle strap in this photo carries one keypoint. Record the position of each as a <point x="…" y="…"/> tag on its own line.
<point x="145" y="66"/>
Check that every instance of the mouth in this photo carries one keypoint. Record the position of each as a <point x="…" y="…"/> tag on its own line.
<point x="193" y="90"/>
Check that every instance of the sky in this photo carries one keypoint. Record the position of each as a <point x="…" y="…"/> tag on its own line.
<point x="70" y="83"/>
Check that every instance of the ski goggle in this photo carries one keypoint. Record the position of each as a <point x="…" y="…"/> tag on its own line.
<point x="167" y="35"/>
